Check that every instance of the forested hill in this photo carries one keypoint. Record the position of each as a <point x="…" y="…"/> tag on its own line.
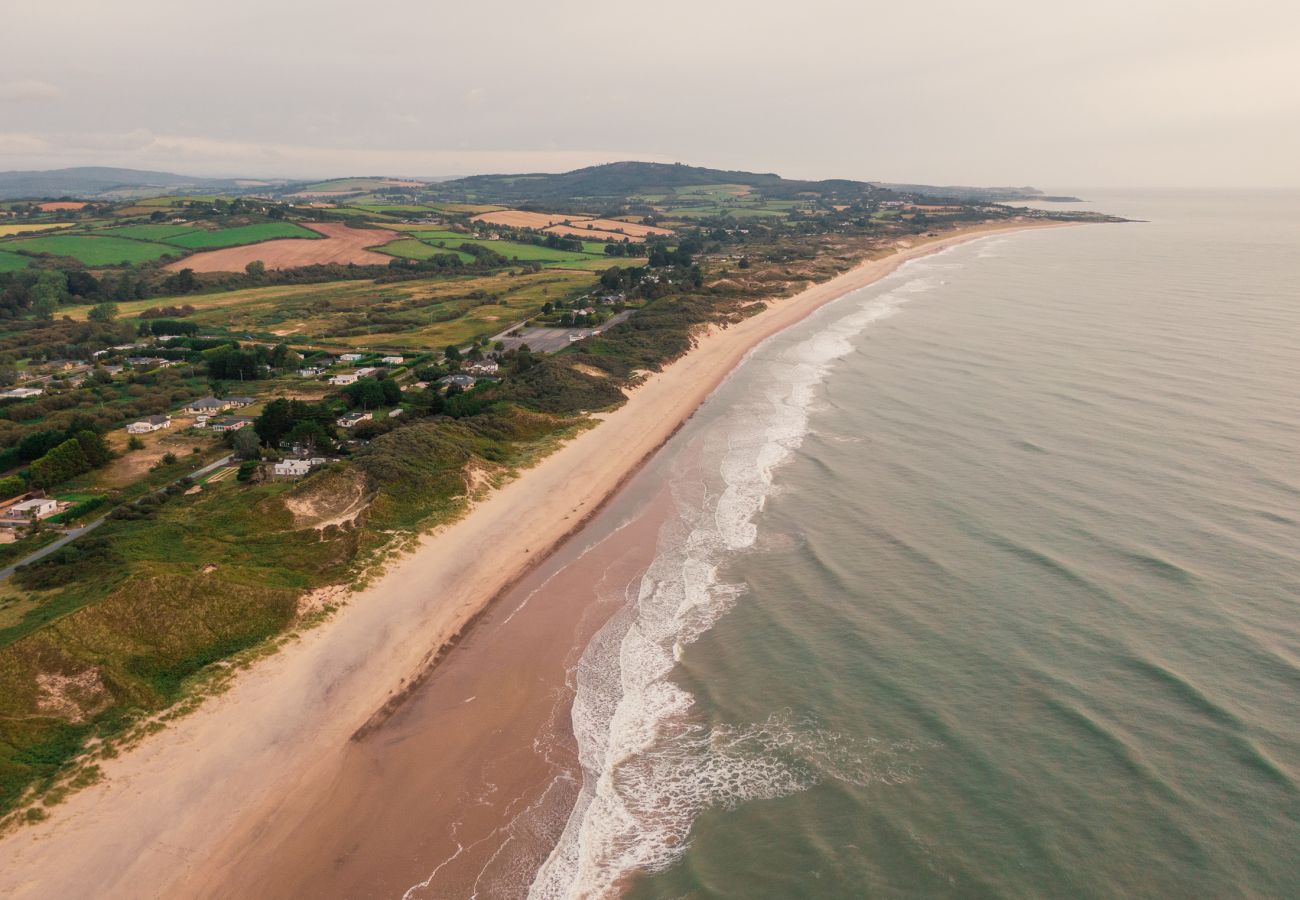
<point x="617" y="181"/>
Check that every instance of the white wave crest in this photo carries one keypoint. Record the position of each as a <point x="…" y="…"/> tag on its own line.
<point x="649" y="766"/>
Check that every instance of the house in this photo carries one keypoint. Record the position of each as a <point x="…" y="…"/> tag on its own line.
<point x="486" y="367"/>
<point x="229" y="423"/>
<point x="294" y="468"/>
<point x="201" y="420"/>
<point x="464" y="381"/>
<point x="21" y="393"/>
<point x="344" y="378"/>
<point x="238" y="402"/>
<point x="395" y="413"/>
<point x="393" y="360"/>
<point x="31" y="510"/>
<point x="366" y="371"/>
<point x="350" y="357"/>
<point x="145" y="362"/>
<point x="309" y="372"/>
<point x="148" y="424"/>
<point x="207" y="405"/>
<point x="353" y="418"/>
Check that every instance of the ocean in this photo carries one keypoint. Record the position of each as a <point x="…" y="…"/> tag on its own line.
<point x="981" y="581"/>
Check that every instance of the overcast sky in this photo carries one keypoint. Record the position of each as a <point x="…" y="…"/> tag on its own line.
<point x="1045" y="92"/>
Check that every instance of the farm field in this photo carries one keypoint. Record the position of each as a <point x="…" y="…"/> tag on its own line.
<point x="533" y="253"/>
<point x="580" y="230"/>
<point x="739" y="212"/>
<point x="238" y="236"/>
<point x="409" y="248"/>
<point x="12" y="262"/>
<point x="151" y="232"/>
<point x="518" y="218"/>
<point x="408" y="315"/>
<point x="341" y="245"/>
<point x="9" y="230"/>
<point x="94" y="250"/>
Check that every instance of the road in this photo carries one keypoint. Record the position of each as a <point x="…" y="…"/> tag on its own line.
<point x="92" y="525"/>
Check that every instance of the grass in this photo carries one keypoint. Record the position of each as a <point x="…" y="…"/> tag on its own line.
<point x="243" y="234"/>
<point x="94" y="250"/>
<point x="408" y="248"/>
<point x="9" y="230"/>
<point x="151" y="232"/>
<point x="12" y="262"/>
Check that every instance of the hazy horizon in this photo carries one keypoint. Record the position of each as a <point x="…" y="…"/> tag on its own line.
<point x="1158" y="95"/>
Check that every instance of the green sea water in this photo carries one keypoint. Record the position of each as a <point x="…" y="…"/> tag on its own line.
<point x="984" y="582"/>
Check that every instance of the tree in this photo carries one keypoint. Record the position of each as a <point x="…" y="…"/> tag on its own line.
<point x="65" y="461"/>
<point x="134" y="443"/>
<point x="309" y="435"/>
<point x="452" y="352"/>
<point x="103" y="312"/>
<point x="392" y="393"/>
<point x="245" y="443"/>
<point x="183" y="282"/>
<point x="256" y="268"/>
<point x="44" y="309"/>
<point x="94" y="447"/>
<point x="11" y="485"/>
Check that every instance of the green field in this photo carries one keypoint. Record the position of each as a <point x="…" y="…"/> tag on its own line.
<point x="527" y="252"/>
<point x="409" y="248"/>
<point x="392" y="207"/>
<point x="12" y="262"/>
<point x="736" y="212"/>
<point x="151" y="232"/>
<point x="94" y="250"/>
<point x="243" y="234"/>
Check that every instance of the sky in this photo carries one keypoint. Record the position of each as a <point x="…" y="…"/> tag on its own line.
<point x="1125" y="93"/>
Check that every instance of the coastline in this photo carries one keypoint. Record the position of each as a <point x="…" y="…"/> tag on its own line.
<point x="216" y="778"/>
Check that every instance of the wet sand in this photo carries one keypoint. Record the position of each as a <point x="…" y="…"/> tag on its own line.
<point x="266" y="781"/>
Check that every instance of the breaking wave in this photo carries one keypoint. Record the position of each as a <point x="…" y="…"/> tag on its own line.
<point x="650" y="766"/>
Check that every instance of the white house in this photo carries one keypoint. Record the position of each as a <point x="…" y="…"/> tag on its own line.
<point x="393" y="360"/>
<point x="292" y="468"/>
<point x="40" y="508"/>
<point x="350" y="357"/>
<point x="148" y="424"/>
<point x="344" y="378"/>
<point x="353" y="418"/>
<point x="486" y="367"/>
<point x="22" y="393"/>
<point x="366" y="371"/>
<point x="309" y="372"/>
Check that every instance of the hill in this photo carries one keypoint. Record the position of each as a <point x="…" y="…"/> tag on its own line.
<point x="104" y="182"/>
<point x="620" y="180"/>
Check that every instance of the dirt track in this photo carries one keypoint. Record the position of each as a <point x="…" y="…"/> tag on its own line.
<point x="341" y="244"/>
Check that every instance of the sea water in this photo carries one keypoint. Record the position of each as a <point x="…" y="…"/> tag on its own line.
<point x="982" y="581"/>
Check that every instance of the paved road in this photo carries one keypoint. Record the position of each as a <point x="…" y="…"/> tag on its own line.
<point x="92" y="525"/>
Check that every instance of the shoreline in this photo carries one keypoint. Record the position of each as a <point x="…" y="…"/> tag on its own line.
<point x="216" y="778"/>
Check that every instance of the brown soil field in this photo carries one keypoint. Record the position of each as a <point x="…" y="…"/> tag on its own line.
<point x="517" y="218"/>
<point x="324" y="193"/>
<point x="341" y="245"/>
<point x="56" y="205"/>
<point x="593" y="234"/>
<point x="629" y="228"/>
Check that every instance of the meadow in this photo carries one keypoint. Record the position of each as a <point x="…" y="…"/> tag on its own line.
<point x="240" y="235"/>
<point x="12" y="262"/>
<point x="409" y="248"/>
<point x="94" y="250"/>
<point x="152" y="232"/>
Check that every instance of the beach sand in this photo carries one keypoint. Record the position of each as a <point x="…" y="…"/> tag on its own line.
<point x="244" y="797"/>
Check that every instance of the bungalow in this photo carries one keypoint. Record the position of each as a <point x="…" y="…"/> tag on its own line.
<point x="148" y="424"/>
<point x="353" y="418"/>
<point x="350" y="357"/>
<point x="344" y="378"/>
<point x="207" y="405"/>
<point x="463" y="381"/>
<point x="21" y="393"/>
<point x="309" y="372"/>
<point x="486" y="367"/>
<point x="146" y="362"/>
<point x="295" y="468"/>
<point x="31" y="510"/>
<point x="366" y="371"/>
<point x="229" y="423"/>
<point x="238" y="402"/>
<point x="395" y="413"/>
<point x="393" y="360"/>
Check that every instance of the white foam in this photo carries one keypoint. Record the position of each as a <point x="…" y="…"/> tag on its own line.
<point x="650" y="766"/>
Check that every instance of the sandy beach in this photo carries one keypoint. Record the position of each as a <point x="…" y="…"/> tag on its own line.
<point x="245" y="796"/>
